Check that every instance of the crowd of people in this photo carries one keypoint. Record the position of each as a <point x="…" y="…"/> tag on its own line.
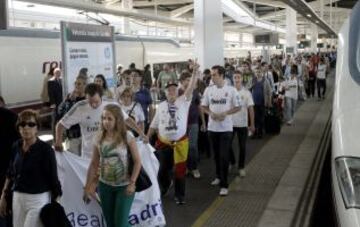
<point x="194" y="112"/>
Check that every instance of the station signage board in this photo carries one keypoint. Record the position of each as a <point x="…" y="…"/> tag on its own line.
<point x="88" y="49"/>
<point x="266" y="39"/>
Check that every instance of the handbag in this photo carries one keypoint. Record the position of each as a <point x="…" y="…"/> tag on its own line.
<point x="143" y="181"/>
<point x="53" y="215"/>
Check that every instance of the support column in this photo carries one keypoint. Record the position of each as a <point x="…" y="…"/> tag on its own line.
<point x="291" y="29"/>
<point x="331" y="14"/>
<point x="209" y="34"/>
<point x="241" y="40"/>
<point x="128" y="5"/>
<point x="321" y="2"/>
<point x="3" y="15"/>
<point x="314" y="36"/>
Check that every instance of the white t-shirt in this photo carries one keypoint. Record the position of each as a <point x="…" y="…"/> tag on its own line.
<point x="292" y="85"/>
<point x="321" y="73"/>
<point x="240" y="118"/>
<point x="172" y="127"/>
<point x="220" y="100"/>
<point x="137" y="113"/>
<point x="89" y="120"/>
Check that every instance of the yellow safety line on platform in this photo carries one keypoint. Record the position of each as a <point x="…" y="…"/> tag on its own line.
<point x="208" y="212"/>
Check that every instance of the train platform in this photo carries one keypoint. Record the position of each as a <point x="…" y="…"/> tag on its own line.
<point x="279" y="177"/>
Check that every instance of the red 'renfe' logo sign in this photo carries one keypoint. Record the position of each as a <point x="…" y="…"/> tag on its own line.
<point x="47" y="65"/>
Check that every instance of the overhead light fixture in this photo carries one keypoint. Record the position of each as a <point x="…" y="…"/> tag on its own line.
<point x="308" y="15"/>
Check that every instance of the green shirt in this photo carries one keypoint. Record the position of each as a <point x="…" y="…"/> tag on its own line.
<point x="164" y="77"/>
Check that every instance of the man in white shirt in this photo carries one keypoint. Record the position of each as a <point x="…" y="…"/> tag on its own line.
<point x="291" y="95"/>
<point x="301" y="78"/>
<point x="240" y="122"/>
<point x="87" y="114"/>
<point x="321" y="79"/>
<point x="219" y="102"/>
<point x="170" y="123"/>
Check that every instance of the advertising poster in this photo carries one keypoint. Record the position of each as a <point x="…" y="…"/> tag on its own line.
<point x="87" y="49"/>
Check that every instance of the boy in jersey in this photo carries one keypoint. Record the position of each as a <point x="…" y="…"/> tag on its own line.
<point x="241" y="122"/>
<point x="219" y="102"/>
<point x="170" y="122"/>
<point x="87" y="114"/>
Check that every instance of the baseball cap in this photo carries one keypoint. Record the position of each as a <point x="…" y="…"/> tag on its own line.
<point x="171" y="83"/>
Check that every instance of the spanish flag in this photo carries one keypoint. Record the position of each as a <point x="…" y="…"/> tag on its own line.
<point x="181" y="149"/>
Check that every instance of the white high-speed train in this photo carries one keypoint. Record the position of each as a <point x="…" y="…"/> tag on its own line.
<point x="346" y="125"/>
<point x="27" y="55"/>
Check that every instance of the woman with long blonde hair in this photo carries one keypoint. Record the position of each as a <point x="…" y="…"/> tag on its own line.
<point x="111" y="156"/>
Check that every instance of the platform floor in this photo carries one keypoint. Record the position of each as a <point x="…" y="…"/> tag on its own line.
<point x="248" y="197"/>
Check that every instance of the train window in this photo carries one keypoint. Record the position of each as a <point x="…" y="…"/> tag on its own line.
<point x="348" y="175"/>
<point x="354" y="43"/>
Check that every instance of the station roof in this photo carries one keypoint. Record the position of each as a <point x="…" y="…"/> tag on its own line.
<point x="328" y="17"/>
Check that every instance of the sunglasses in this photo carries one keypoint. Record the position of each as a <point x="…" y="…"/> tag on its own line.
<point x="30" y="124"/>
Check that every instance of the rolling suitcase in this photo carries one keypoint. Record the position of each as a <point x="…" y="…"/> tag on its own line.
<point x="272" y="121"/>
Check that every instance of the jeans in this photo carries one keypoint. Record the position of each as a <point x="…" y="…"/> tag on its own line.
<point x="115" y="204"/>
<point x="220" y="143"/>
<point x="242" y="134"/>
<point x="166" y="159"/>
<point x="2" y="222"/>
<point x="321" y="85"/>
<point x="259" y="119"/>
<point x="193" y="132"/>
<point x="27" y="207"/>
<point x="290" y="105"/>
<point x="311" y="84"/>
<point x="301" y="90"/>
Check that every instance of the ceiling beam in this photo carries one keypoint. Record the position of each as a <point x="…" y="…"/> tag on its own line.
<point x="303" y="8"/>
<point x="116" y="11"/>
<point x="241" y="15"/>
<point x="111" y="2"/>
<point x="227" y="19"/>
<point x="315" y="5"/>
<point x="147" y="3"/>
<point x="180" y="11"/>
<point x="267" y="3"/>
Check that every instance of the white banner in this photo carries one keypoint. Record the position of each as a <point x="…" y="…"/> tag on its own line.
<point x="146" y="209"/>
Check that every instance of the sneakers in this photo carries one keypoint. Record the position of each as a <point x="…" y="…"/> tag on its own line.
<point x="290" y="122"/>
<point x="215" y="182"/>
<point x="179" y="200"/>
<point x="224" y="192"/>
<point x="242" y="173"/>
<point x="196" y="173"/>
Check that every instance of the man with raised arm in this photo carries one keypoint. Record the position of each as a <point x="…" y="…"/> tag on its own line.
<point x="170" y="123"/>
